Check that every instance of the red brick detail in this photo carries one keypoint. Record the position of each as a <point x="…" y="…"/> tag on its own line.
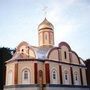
<point x="16" y="74"/>
<point x="47" y="71"/>
<point x="71" y="75"/>
<point x="35" y="72"/>
<point x="70" y="57"/>
<point x="81" y="77"/>
<point x="60" y="73"/>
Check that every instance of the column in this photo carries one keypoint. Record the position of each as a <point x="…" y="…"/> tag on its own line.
<point x="47" y="71"/>
<point x="81" y="76"/>
<point x="16" y="74"/>
<point x="71" y="70"/>
<point x="60" y="73"/>
<point x="35" y="73"/>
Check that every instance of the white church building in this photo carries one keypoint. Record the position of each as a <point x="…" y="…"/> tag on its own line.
<point x="45" y="67"/>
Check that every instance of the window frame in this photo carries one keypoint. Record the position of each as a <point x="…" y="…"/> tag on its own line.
<point x="66" y="75"/>
<point x="54" y="76"/>
<point x="65" y="54"/>
<point x="26" y="74"/>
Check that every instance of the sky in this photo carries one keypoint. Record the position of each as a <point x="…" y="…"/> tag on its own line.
<point x="19" y="20"/>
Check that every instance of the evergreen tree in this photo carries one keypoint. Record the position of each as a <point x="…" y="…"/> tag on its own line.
<point x="5" y="54"/>
<point x="88" y="71"/>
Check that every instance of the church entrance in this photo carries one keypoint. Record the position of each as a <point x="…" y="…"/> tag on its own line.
<point x="41" y="79"/>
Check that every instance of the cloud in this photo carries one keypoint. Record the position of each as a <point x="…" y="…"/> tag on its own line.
<point x="58" y="18"/>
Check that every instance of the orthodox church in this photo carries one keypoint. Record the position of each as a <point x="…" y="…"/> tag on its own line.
<point x="45" y="67"/>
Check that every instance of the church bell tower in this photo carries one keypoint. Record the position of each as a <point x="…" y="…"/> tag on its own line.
<point x="46" y="33"/>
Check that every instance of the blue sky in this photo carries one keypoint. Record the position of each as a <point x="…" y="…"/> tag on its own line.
<point x="19" y="20"/>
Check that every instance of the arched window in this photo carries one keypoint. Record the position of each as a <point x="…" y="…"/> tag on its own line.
<point x="54" y="76"/>
<point x="22" y="50"/>
<point x="76" y="76"/>
<point x="65" y="55"/>
<point x="66" y="77"/>
<point x="10" y="77"/>
<point x="46" y="35"/>
<point x="76" y="81"/>
<point x="26" y="76"/>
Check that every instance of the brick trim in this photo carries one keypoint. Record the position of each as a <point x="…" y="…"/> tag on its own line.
<point x="65" y="44"/>
<point x="16" y="74"/>
<point x="35" y="72"/>
<point x="81" y="77"/>
<point x="60" y="73"/>
<point x="71" y="76"/>
<point x="47" y="71"/>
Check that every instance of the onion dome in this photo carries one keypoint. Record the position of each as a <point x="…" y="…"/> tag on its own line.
<point x="45" y="25"/>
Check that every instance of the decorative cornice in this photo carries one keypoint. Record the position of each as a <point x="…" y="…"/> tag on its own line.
<point x="45" y="60"/>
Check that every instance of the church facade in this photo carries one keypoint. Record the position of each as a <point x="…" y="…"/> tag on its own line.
<point x="45" y="67"/>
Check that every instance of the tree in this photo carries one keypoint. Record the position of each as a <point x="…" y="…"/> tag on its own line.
<point x="87" y="62"/>
<point x="5" y="54"/>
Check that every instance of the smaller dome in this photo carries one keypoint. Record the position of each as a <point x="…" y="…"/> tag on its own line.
<point x="45" y="24"/>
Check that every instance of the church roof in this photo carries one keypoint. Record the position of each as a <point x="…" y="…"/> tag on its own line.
<point x="43" y="51"/>
<point x="45" y="24"/>
<point x="40" y="52"/>
<point x="19" y="56"/>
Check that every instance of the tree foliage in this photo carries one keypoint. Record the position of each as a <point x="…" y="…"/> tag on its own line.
<point x="5" y="54"/>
